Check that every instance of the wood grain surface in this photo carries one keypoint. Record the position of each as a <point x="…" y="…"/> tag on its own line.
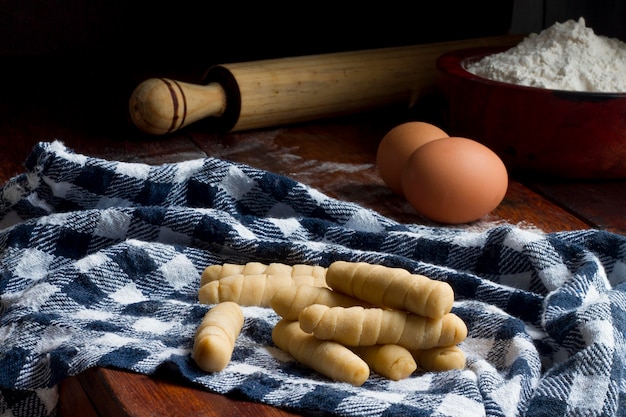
<point x="335" y="156"/>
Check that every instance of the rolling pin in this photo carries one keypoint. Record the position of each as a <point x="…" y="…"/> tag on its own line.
<point x="282" y="91"/>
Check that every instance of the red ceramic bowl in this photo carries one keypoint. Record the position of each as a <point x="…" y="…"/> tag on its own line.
<point x="549" y="132"/>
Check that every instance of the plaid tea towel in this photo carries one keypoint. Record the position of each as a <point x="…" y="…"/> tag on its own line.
<point x="100" y="264"/>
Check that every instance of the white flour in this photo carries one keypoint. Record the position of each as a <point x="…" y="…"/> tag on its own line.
<point x="565" y="56"/>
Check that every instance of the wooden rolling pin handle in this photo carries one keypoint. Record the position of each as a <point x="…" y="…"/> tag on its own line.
<point x="159" y="105"/>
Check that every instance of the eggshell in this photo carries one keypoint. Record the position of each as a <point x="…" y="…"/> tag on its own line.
<point x="397" y="145"/>
<point x="454" y="180"/>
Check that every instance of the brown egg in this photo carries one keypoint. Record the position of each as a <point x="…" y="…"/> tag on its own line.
<point x="454" y="180"/>
<point x="396" y="147"/>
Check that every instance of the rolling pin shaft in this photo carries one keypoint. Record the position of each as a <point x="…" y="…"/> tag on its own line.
<point x="274" y="92"/>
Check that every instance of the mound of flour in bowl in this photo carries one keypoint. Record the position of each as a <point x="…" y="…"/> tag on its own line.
<point x="565" y="56"/>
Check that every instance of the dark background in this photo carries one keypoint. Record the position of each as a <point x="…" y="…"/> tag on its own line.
<point x="91" y="51"/>
<point x="177" y="31"/>
<point x="184" y="30"/>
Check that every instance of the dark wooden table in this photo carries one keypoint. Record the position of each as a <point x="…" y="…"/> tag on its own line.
<point x="87" y="110"/>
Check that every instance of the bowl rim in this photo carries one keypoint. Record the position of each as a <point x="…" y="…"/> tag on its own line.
<point x="454" y="63"/>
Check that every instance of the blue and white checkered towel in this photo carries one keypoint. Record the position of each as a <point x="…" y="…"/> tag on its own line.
<point x="100" y="265"/>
